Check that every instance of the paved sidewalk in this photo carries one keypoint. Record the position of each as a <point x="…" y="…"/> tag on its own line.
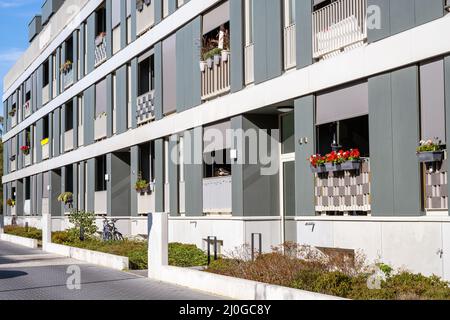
<point x="34" y="275"/>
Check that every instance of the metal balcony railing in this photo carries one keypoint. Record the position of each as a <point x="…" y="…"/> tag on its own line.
<point x="145" y="109"/>
<point x="100" y="49"/>
<point x="217" y="195"/>
<point x="290" y="59"/>
<point x="338" y="27"/>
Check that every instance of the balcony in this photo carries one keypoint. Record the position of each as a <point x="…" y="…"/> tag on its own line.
<point x="100" y="202"/>
<point x="249" y="58"/>
<point x="146" y="203"/>
<point x="45" y="94"/>
<point x="27" y="109"/>
<point x="217" y="195"/>
<point x="215" y="76"/>
<point x="45" y="149"/>
<point x="100" y="49"/>
<point x="343" y="191"/>
<point x="339" y="27"/>
<point x="100" y="127"/>
<point x="13" y="119"/>
<point x="68" y="140"/>
<point x="145" y="111"/>
<point x="27" y="207"/>
<point x="290" y="59"/>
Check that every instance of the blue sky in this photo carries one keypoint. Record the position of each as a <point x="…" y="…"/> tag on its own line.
<point x="14" y="18"/>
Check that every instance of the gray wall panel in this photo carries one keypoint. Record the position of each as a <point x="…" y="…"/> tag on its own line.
<point x="134" y="171"/>
<point x="159" y="175"/>
<point x="303" y="14"/>
<point x="447" y="97"/>
<point x="174" y="205"/>
<point x="90" y="185"/>
<point x="121" y="100"/>
<point x="194" y="172"/>
<point x="237" y="45"/>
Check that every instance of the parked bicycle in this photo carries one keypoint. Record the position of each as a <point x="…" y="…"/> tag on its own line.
<point x="110" y="231"/>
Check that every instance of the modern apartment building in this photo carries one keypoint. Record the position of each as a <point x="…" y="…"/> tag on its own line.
<point x="113" y="96"/>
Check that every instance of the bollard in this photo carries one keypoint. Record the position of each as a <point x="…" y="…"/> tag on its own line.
<point x="46" y="230"/>
<point x="158" y="243"/>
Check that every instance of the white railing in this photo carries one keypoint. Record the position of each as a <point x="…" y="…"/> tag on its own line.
<point x="68" y="140"/>
<point x="45" y="151"/>
<point x="68" y="78"/>
<point x="290" y="59"/>
<point x="14" y="120"/>
<point x="100" y="202"/>
<point x="217" y="195"/>
<point x="100" y="50"/>
<point x="145" y="110"/>
<point x="27" y="159"/>
<point x="249" y="60"/>
<point x="27" y="108"/>
<point x="100" y="127"/>
<point x="146" y="203"/>
<point x="27" y="207"/>
<point x="340" y="26"/>
<point x="216" y="77"/>
<point x="46" y="94"/>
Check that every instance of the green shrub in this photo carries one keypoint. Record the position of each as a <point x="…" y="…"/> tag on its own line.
<point x="31" y="233"/>
<point x="82" y="219"/>
<point x="184" y="255"/>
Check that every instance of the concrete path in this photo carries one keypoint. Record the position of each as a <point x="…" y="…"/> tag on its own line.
<point x="35" y="275"/>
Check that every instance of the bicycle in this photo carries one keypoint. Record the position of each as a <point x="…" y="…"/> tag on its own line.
<point x="110" y="231"/>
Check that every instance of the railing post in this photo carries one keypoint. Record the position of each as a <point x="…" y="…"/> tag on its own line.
<point x="158" y="243"/>
<point x="46" y="230"/>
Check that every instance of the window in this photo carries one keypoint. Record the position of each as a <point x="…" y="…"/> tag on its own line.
<point x="217" y="163"/>
<point x="46" y="127"/>
<point x="27" y="188"/>
<point x="146" y="75"/>
<point x="144" y="162"/>
<point x="69" y="179"/>
<point x="100" y="21"/>
<point x="45" y="73"/>
<point x="287" y="133"/>
<point x="345" y="134"/>
<point x="69" y="49"/>
<point x="289" y="12"/>
<point x="69" y="116"/>
<point x="100" y="98"/>
<point x="100" y="172"/>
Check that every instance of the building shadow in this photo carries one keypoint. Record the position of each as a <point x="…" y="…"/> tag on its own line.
<point x="8" y="274"/>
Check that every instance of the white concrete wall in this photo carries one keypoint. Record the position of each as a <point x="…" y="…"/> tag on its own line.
<point x="21" y="241"/>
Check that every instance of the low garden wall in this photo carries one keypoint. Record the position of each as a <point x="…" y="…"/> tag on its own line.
<point x="26" y="242"/>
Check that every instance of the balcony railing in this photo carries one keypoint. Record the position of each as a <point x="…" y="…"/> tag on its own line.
<point x="100" y="202"/>
<point x="344" y="191"/>
<point x="145" y="111"/>
<point x="68" y="140"/>
<point x="45" y="151"/>
<point x="338" y="27"/>
<point x="290" y="59"/>
<point x="100" y="49"/>
<point x="217" y="195"/>
<point x="216" y="77"/>
<point x="14" y="120"/>
<point x="27" y="159"/>
<point x="436" y="187"/>
<point x="249" y="57"/>
<point x="100" y="127"/>
<point x="27" y="108"/>
<point x="68" y="78"/>
<point x="146" y="203"/>
<point x="13" y="163"/>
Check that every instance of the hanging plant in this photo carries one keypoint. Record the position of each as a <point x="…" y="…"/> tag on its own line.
<point x="141" y="185"/>
<point x="11" y="203"/>
<point x="25" y="150"/>
<point x="12" y="113"/>
<point x="66" y="66"/>
<point x="66" y="198"/>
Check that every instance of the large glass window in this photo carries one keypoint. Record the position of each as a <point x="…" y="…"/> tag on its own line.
<point x="287" y="133"/>
<point x="27" y="188"/>
<point x="45" y="73"/>
<point x="69" y="179"/>
<point x="46" y="127"/>
<point x="100" y="172"/>
<point x="69" y="116"/>
<point x="146" y="75"/>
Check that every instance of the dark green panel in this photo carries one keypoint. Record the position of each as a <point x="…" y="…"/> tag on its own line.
<point x="123" y="24"/>
<point x="55" y="191"/>
<point x="134" y="171"/>
<point x="109" y="105"/>
<point x="260" y="40"/>
<point x="194" y="172"/>
<point x="194" y="94"/>
<point x="428" y="10"/>
<point x="447" y="99"/>
<point x="134" y="82"/>
<point x="82" y="186"/>
<point x="75" y="122"/>
<point x="90" y="185"/>
<point x="381" y="139"/>
<point x="159" y="175"/>
<point x="82" y="49"/>
<point x="274" y="39"/>
<point x="303" y="14"/>
<point x="63" y="126"/>
<point x="75" y="186"/>
<point x="75" y="57"/>
<point x="304" y="179"/>
<point x="237" y="182"/>
<point x="405" y="132"/>
<point x="158" y="81"/>
<point x="174" y="203"/>
<point x="384" y="16"/>
<point x="120" y="184"/>
<point x="158" y="10"/>
<point x="121" y="100"/>
<point x="237" y="45"/>
<point x="88" y="114"/>
<point x="109" y="28"/>
<point x="181" y="83"/>
<point x="402" y="15"/>
<point x="90" y="43"/>
<point x="39" y="192"/>
<point x="56" y="132"/>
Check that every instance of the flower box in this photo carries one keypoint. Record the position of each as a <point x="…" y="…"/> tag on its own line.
<point x="430" y="156"/>
<point x="351" y="165"/>
<point x="318" y="169"/>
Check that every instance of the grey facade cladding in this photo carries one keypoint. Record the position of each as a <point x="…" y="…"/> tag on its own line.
<point x="49" y="8"/>
<point x="237" y="45"/>
<point x="194" y="174"/>
<point x="400" y="15"/>
<point x="303" y="16"/>
<point x="447" y="100"/>
<point x="118" y="191"/>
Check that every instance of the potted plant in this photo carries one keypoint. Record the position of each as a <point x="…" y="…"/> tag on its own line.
<point x="25" y="150"/>
<point x="141" y="185"/>
<point x="317" y="163"/>
<point x="66" y="198"/>
<point x="66" y="66"/>
<point x="211" y="56"/>
<point x="430" y="151"/>
<point x="10" y="202"/>
<point x="203" y="65"/>
<point x="12" y="112"/>
<point x="351" y="159"/>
